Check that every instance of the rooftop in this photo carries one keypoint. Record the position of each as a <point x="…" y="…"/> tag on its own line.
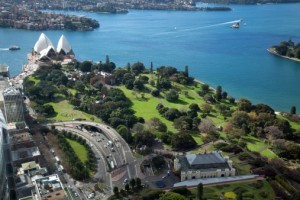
<point x="203" y="162"/>
<point x="25" y="153"/>
<point x="20" y="137"/>
<point x="50" y="187"/>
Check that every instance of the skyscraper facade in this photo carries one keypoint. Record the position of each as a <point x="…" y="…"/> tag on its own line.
<point x="3" y="141"/>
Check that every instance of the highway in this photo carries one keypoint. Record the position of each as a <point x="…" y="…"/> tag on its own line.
<point x="110" y="148"/>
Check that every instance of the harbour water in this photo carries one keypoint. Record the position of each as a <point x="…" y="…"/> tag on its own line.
<point x="236" y="59"/>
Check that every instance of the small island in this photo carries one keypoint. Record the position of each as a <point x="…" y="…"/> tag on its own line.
<point x="287" y="49"/>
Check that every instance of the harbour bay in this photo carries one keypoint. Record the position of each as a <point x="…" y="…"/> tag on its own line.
<point x="236" y="59"/>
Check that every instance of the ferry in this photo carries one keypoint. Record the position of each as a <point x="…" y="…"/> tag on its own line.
<point x="14" y="47"/>
<point x="236" y="25"/>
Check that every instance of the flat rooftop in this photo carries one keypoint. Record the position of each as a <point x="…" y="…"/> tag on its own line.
<point x="25" y="153"/>
<point x="16" y="138"/>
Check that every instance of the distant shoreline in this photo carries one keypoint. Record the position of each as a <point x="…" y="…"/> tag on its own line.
<point x="272" y="51"/>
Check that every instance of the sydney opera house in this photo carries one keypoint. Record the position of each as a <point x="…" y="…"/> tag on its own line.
<point x="45" y="50"/>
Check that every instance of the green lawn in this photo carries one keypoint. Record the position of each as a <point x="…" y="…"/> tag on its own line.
<point x="294" y="125"/>
<point x="146" y="107"/>
<point x="79" y="149"/>
<point x="257" y="145"/>
<point x="242" y="169"/>
<point x="249" y="191"/>
<point x="65" y="112"/>
<point x="197" y="138"/>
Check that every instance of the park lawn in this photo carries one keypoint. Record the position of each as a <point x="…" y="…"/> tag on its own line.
<point x="242" y="169"/>
<point x="79" y="150"/>
<point x="294" y="125"/>
<point x="146" y="107"/>
<point x="65" y="112"/>
<point x="197" y="137"/>
<point x="256" y="145"/>
<point x="250" y="192"/>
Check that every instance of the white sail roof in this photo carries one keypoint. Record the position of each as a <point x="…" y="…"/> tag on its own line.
<point x="64" y="45"/>
<point x="43" y="43"/>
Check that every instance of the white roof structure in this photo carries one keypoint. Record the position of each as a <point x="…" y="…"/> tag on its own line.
<point x="42" y="44"/>
<point x="63" y="46"/>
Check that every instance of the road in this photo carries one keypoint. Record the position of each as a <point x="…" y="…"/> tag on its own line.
<point x="114" y="156"/>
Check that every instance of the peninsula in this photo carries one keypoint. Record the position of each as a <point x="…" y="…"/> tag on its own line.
<point x="287" y="49"/>
<point x="22" y="17"/>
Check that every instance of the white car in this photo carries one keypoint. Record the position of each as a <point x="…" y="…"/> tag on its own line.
<point x="76" y="195"/>
<point x="92" y="195"/>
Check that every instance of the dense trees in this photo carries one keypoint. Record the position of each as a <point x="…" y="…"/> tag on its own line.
<point x="183" y="140"/>
<point x="288" y="48"/>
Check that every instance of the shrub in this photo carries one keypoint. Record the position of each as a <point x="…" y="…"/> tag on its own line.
<point x="263" y="194"/>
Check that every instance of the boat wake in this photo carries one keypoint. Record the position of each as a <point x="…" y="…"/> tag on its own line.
<point x="177" y="30"/>
<point x="4" y="49"/>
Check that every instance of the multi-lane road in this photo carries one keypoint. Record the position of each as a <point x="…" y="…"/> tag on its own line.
<point x="112" y="152"/>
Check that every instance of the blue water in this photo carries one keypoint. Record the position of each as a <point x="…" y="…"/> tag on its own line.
<point x="236" y="59"/>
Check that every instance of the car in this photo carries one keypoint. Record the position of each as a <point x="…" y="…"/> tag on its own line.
<point x="125" y="181"/>
<point x="107" y="127"/>
<point x="75" y="194"/>
<point x="98" y="140"/>
<point x="92" y="195"/>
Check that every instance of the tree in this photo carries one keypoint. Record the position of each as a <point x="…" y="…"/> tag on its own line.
<point x="240" y="119"/>
<point x="200" y="191"/>
<point x="151" y="67"/>
<point x="144" y="138"/>
<point x="172" y="114"/>
<point x="132" y="183"/>
<point x="138" y="128"/>
<point x="186" y="71"/>
<point x="155" y="93"/>
<point x="205" y="88"/>
<point x="138" y="182"/>
<point x="219" y="93"/>
<point x="137" y="68"/>
<point x="183" y="123"/>
<point x="172" y="95"/>
<point x="182" y="140"/>
<point x="194" y="107"/>
<point x="127" y="187"/>
<point x="244" y="105"/>
<point x="207" y="125"/>
<point x="206" y="108"/>
<point x="293" y="110"/>
<point x="116" y="191"/>
<point x="158" y="162"/>
<point x="85" y="66"/>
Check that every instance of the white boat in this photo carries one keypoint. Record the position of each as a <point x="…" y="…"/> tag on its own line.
<point x="236" y="25"/>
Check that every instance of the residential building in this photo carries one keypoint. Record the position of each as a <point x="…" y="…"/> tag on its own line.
<point x="207" y="165"/>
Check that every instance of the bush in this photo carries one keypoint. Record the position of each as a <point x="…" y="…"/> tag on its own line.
<point x="244" y="156"/>
<point x="258" y="184"/>
<point x="263" y="194"/>
<point x="182" y="190"/>
<point x="155" y="93"/>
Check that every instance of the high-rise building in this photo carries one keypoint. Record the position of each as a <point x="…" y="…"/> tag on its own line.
<point x="4" y="193"/>
<point x="13" y="105"/>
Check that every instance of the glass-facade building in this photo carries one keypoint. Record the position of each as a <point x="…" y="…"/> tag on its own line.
<point x="3" y="141"/>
